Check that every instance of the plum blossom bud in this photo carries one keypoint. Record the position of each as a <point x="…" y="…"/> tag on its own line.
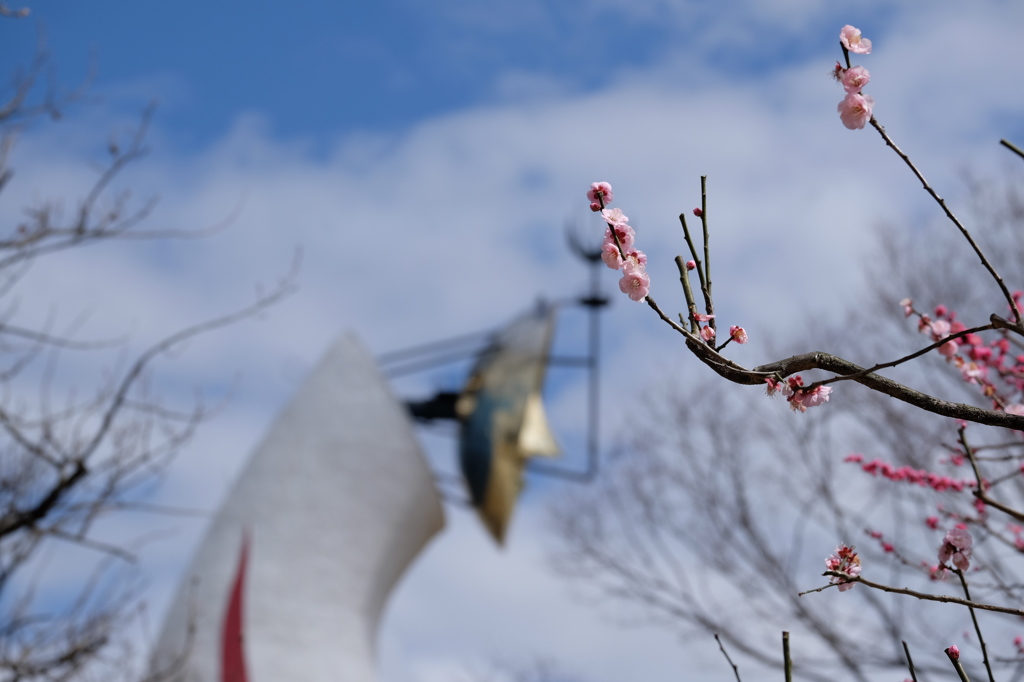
<point x="697" y="212"/>
<point x="600" y="193"/>
<point x="690" y="265"/>
<point x="595" y="207"/>
<point x="851" y="39"/>
<point x="908" y="307"/>
<point x="855" y="110"/>
<point x="738" y="334"/>
<point x="953" y="653"/>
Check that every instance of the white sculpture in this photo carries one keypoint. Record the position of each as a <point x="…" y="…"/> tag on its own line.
<point x="290" y="581"/>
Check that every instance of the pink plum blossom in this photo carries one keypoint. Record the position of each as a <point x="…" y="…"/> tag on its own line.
<point x="635" y="258"/>
<point x="816" y="397"/>
<point x="707" y="333"/>
<point x="701" y="317"/>
<point x="611" y="255"/>
<point x="908" y="307"/>
<point x="635" y="282"/>
<point x="738" y="334"/>
<point x="855" y="79"/>
<point x="956" y="547"/>
<point x="601" y="194"/>
<point x="614" y="216"/>
<point x="851" y="39"/>
<point x="623" y="232"/>
<point x="845" y="560"/>
<point x="855" y="110"/>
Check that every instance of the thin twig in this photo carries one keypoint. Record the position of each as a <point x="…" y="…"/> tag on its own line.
<point x="956" y="221"/>
<point x="910" y="661"/>
<point x="721" y="647"/>
<point x="977" y="628"/>
<point x="979" y="491"/>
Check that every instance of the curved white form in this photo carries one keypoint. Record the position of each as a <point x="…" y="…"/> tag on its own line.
<point x="291" y="578"/>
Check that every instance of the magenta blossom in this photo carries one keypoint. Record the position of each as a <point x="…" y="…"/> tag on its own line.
<point x="956" y="547"/>
<point x="855" y="110"/>
<point x="953" y="653"/>
<point x="845" y="560"/>
<point x="855" y="79"/>
<point x="601" y="194"/>
<point x="691" y="265"/>
<point x="635" y="282"/>
<point x="851" y="39"/>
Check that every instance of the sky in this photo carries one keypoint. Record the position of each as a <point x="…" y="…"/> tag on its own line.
<point x="424" y="158"/>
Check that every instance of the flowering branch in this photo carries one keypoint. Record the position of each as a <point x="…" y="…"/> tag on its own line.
<point x="847" y="579"/>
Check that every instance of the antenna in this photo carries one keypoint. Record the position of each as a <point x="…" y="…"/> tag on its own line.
<point x="595" y="303"/>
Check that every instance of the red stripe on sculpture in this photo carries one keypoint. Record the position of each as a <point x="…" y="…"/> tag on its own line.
<point x="232" y="653"/>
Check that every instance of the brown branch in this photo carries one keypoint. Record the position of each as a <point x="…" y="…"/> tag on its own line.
<point x="918" y="595"/>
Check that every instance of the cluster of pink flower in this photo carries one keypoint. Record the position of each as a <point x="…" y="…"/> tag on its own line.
<point x="921" y="477"/>
<point x="845" y="560"/>
<point x="956" y="547"/>
<point x="799" y="399"/>
<point x="617" y="250"/>
<point x="977" y="360"/>
<point x="855" y="109"/>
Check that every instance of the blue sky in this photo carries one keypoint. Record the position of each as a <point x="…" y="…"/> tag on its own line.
<point x="425" y="156"/>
